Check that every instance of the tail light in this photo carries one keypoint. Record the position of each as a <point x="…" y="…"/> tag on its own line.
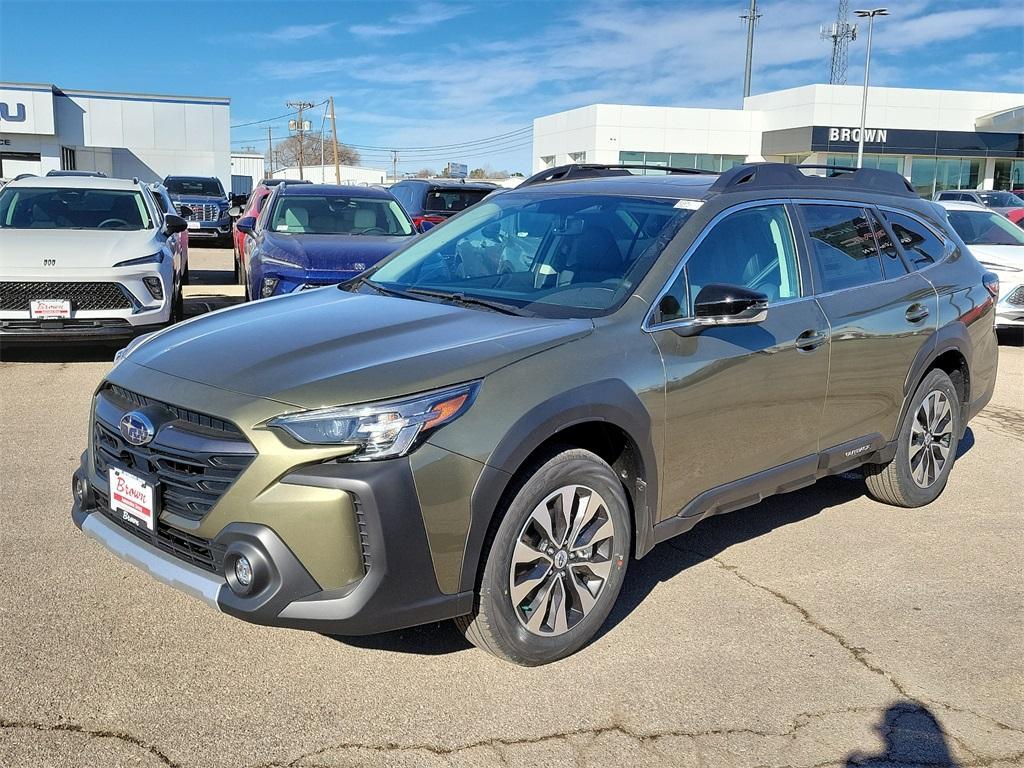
<point x="430" y="221"/>
<point x="991" y="283"/>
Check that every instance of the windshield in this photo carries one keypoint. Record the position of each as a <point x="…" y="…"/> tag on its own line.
<point x="443" y="200"/>
<point x="565" y="256"/>
<point x="339" y="215"/>
<point x="984" y="228"/>
<point x="45" y="208"/>
<point x="1000" y="199"/>
<point x="200" y="187"/>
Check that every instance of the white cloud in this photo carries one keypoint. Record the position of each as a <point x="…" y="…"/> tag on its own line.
<point x="295" y="32"/>
<point x="419" y="17"/>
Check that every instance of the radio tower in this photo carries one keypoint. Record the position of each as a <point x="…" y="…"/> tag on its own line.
<point x="841" y="33"/>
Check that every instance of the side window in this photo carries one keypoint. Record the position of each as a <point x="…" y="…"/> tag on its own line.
<point x="892" y="263"/>
<point x="921" y="246"/>
<point x="752" y="248"/>
<point x="842" y="246"/>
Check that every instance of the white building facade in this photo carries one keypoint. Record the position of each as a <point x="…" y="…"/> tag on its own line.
<point x="324" y="174"/>
<point x="247" y="170"/>
<point x="125" y="135"/>
<point x="936" y="139"/>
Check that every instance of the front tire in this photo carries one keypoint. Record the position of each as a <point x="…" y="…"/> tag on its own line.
<point x="925" y="449"/>
<point x="556" y="562"/>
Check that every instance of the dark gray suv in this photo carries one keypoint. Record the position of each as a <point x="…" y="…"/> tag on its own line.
<point x="494" y="421"/>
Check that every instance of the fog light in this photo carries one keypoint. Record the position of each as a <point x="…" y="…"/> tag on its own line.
<point x="269" y="284"/>
<point x="243" y="571"/>
<point x="81" y="487"/>
<point x="155" y="287"/>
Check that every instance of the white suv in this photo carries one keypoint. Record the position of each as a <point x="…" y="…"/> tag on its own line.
<point x="86" y="258"/>
<point x="999" y="245"/>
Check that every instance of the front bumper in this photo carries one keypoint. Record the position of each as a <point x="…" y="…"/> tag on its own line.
<point x="366" y="516"/>
<point x="61" y="331"/>
<point x="210" y="229"/>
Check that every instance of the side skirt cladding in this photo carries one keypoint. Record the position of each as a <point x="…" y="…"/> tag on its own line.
<point x="787" y="477"/>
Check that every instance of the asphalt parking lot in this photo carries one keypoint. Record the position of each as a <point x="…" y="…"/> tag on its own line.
<point x="816" y="629"/>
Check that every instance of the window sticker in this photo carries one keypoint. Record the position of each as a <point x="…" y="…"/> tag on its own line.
<point x="689" y="205"/>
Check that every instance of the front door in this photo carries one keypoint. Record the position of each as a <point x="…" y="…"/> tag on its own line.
<point x="742" y="399"/>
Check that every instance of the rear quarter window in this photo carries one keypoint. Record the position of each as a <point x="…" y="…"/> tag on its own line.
<point x="843" y="246"/>
<point x="921" y="246"/>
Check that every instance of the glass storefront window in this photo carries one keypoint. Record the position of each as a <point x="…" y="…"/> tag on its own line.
<point x="934" y="174"/>
<point x="1009" y="174"/>
<point x="880" y="162"/>
<point x="705" y="162"/>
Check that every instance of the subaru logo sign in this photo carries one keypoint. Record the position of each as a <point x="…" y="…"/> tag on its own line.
<point x="136" y="428"/>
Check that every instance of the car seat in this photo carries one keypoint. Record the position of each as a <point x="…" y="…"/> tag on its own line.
<point x="591" y="257"/>
<point x="365" y="218"/>
<point x="296" y="219"/>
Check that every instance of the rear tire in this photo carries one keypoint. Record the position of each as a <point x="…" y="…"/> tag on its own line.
<point x="925" y="447"/>
<point x="548" y="581"/>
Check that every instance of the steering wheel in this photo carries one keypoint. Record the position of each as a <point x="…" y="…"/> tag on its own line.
<point x="115" y="222"/>
<point x="367" y="231"/>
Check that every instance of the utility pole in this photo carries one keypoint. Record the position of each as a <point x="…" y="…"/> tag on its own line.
<point x="870" y="16"/>
<point x="270" y="151"/>
<point x="334" y="139"/>
<point x="841" y="32"/>
<point x="394" y="164"/>
<point x="751" y="17"/>
<point x="300" y="127"/>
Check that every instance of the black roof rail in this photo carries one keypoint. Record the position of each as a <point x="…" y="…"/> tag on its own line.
<point x="595" y="170"/>
<point x="776" y="175"/>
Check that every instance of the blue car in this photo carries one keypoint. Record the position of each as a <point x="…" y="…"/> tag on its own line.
<point x="309" y="235"/>
<point x="202" y="202"/>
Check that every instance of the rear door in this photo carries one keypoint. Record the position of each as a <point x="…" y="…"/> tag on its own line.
<point x="880" y="314"/>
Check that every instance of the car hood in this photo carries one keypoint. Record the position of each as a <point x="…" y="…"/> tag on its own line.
<point x="330" y="347"/>
<point x="73" y="248"/>
<point x="347" y="253"/>
<point x="1008" y="255"/>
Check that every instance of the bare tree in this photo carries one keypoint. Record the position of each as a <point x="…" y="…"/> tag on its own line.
<point x="286" y="152"/>
<point x="425" y="173"/>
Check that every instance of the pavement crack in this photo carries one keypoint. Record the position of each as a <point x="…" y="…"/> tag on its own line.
<point x="858" y="653"/>
<point x="92" y="733"/>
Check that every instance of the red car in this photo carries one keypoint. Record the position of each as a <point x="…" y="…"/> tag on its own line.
<point x="252" y="207"/>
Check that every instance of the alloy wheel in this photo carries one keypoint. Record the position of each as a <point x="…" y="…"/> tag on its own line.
<point x="931" y="438"/>
<point x="562" y="560"/>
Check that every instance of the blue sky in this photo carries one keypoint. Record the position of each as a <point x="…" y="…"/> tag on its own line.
<point x="430" y="73"/>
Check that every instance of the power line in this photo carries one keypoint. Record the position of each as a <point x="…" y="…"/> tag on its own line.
<point x="272" y="119"/>
<point x="486" y="140"/>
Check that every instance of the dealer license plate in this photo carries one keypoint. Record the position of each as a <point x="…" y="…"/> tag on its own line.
<point x="49" y="309"/>
<point x="133" y="498"/>
<point x="193" y="225"/>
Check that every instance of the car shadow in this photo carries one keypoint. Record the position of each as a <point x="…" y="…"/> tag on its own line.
<point x="59" y="353"/>
<point x="912" y="736"/>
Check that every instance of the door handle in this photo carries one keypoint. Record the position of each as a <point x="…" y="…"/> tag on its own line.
<point x="917" y="312"/>
<point x="810" y="340"/>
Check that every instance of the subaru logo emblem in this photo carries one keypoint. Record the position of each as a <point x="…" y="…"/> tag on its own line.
<point x="136" y="428"/>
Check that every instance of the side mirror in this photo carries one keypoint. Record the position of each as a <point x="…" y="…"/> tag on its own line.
<point x="186" y="211"/>
<point x="246" y="224"/>
<point x="235" y="211"/>
<point x="425" y="226"/>
<point x="174" y="224"/>
<point x="719" y="304"/>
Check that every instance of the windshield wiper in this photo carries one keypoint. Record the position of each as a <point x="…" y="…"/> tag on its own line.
<point x="461" y="298"/>
<point x="375" y="286"/>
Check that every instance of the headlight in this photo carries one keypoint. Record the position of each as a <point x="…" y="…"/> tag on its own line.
<point x="279" y="262"/>
<point x="134" y="344"/>
<point x="156" y="258"/>
<point x="379" y="430"/>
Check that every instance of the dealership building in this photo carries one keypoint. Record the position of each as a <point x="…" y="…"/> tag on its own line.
<point x="44" y="127"/>
<point x="936" y="139"/>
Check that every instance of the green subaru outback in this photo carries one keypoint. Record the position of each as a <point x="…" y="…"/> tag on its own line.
<point x="494" y="421"/>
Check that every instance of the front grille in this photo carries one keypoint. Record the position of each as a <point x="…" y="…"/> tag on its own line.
<point x="18" y="297"/>
<point x="200" y="211"/>
<point x="27" y="326"/>
<point x="191" y="480"/>
<point x="202" y="553"/>
<point x="1016" y="296"/>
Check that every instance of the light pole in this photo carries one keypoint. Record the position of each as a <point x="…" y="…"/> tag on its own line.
<point x="870" y="16"/>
